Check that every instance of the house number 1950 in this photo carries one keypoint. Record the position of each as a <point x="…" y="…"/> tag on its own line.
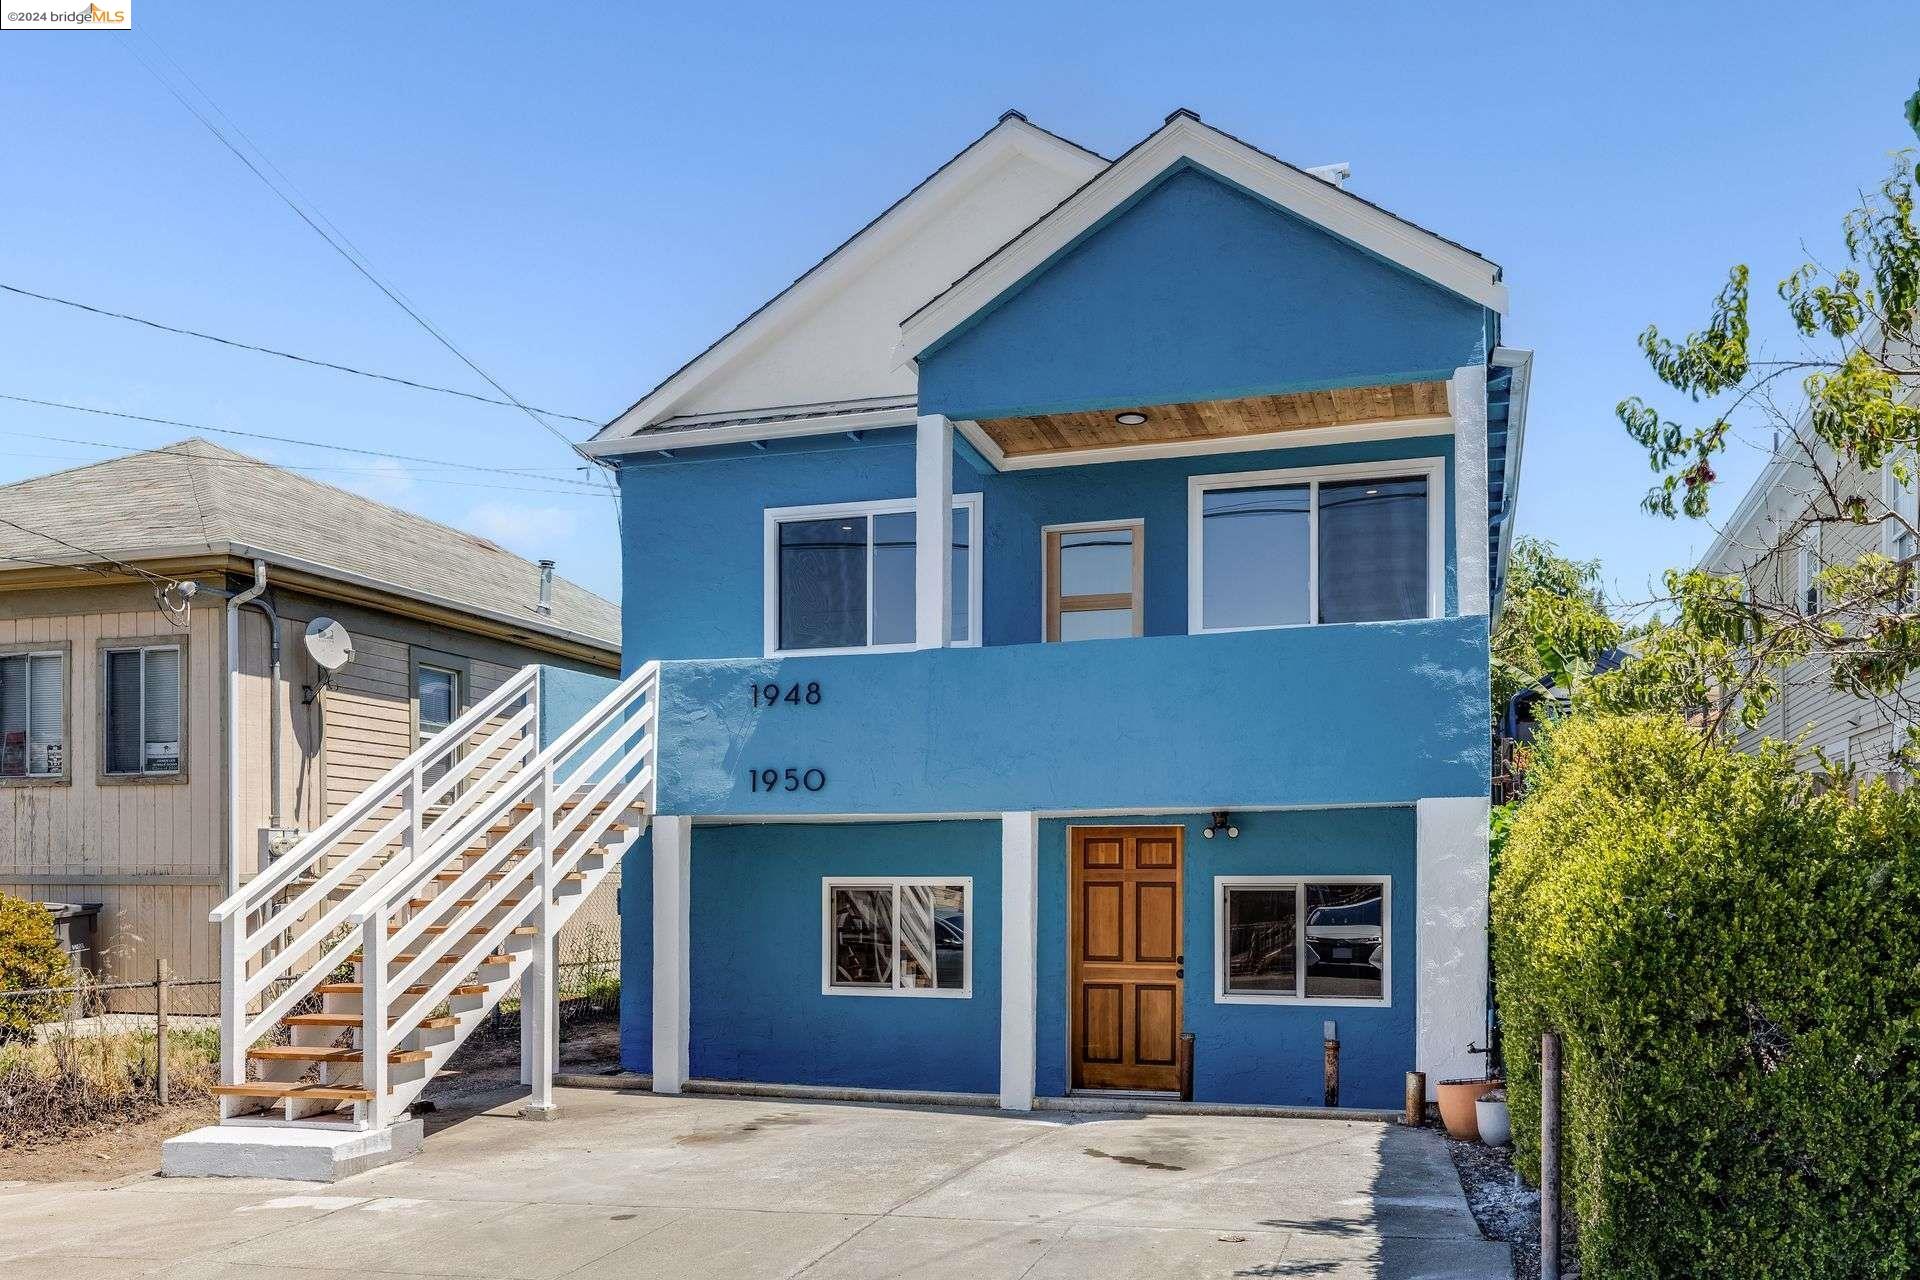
<point x="788" y="779"/>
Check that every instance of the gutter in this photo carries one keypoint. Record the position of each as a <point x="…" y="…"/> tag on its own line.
<point x="1520" y="361"/>
<point x="250" y="596"/>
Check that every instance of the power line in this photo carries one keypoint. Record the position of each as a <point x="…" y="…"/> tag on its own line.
<point x="353" y="258"/>
<point x="127" y="450"/>
<point x="310" y="444"/>
<point x="284" y="355"/>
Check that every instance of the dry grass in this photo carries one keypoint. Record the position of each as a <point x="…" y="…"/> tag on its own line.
<point x="54" y="1088"/>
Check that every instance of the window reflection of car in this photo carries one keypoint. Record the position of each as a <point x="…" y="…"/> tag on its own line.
<point x="1345" y="938"/>
<point x="950" y="947"/>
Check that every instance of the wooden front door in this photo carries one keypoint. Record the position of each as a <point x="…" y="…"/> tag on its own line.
<point x="1128" y="957"/>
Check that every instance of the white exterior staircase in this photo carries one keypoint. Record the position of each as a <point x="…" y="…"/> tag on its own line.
<point x="409" y="914"/>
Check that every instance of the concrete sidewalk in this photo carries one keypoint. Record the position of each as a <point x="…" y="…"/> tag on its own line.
<point x="636" y="1186"/>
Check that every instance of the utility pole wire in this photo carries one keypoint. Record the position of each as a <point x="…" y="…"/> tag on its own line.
<point x="284" y="355"/>
<point x="310" y="444"/>
<point x="356" y="261"/>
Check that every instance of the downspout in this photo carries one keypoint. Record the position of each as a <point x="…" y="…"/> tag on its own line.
<point x="255" y="596"/>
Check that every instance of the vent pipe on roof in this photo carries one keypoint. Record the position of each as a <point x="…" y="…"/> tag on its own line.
<point x="545" y="607"/>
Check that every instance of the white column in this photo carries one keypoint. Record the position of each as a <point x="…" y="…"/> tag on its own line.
<point x="672" y="948"/>
<point x="539" y="987"/>
<point x="1019" y="941"/>
<point x="1467" y="393"/>
<point x="1451" y="935"/>
<point x="933" y="531"/>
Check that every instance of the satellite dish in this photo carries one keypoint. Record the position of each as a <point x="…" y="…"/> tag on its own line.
<point x="329" y="644"/>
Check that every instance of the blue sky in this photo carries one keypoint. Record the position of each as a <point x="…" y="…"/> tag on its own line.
<point x="582" y="206"/>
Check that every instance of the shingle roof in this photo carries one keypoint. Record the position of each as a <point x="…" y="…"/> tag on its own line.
<point x="195" y="495"/>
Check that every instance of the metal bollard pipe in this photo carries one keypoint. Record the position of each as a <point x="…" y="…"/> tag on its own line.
<point x="1549" y="1156"/>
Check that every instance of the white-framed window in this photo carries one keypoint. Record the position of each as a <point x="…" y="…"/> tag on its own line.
<point x="436" y="693"/>
<point x="1806" y="572"/>
<point x="896" y="936"/>
<point x="839" y="578"/>
<point x="33" y="720"/>
<point x="1323" y="940"/>
<point x="1359" y="543"/>
<point x="1902" y="498"/>
<point x="141" y="709"/>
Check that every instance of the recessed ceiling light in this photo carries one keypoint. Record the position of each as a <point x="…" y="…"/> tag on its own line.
<point x="1129" y="419"/>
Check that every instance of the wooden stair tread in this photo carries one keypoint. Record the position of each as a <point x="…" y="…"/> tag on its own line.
<point x="355" y="988"/>
<point x="298" y="1053"/>
<point x="274" y="1089"/>
<point x="494" y="877"/>
<point x="518" y="931"/>
<point x="408" y="958"/>
<point x="349" y="1020"/>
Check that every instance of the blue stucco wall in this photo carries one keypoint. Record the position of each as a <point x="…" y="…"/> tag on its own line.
<point x="758" y="1012"/>
<point x="693" y="529"/>
<point x="565" y="696"/>
<point x="1245" y="1052"/>
<point x="1195" y="290"/>
<point x="636" y="956"/>
<point x="1366" y="713"/>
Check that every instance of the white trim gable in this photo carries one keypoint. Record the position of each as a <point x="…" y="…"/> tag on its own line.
<point x="1051" y="168"/>
<point x="1185" y="137"/>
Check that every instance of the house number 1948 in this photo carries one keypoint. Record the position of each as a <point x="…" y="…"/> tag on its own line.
<point x="797" y="695"/>
<point x="788" y="779"/>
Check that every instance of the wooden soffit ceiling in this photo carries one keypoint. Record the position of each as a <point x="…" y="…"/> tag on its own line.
<point x="1217" y="419"/>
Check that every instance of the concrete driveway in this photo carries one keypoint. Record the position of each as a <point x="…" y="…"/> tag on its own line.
<point x="633" y="1186"/>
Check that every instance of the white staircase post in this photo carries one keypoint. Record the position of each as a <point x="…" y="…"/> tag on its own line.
<point x="539" y="1021"/>
<point x="672" y="970"/>
<point x="233" y="1001"/>
<point x="373" y="1013"/>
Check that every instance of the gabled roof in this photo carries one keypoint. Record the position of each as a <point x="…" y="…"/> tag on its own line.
<point x="1184" y="138"/>
<point x="1047" y="167"/>
<point x="197" y="497"/>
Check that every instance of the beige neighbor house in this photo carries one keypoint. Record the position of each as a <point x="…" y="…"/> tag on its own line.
<point x="139" y="730"/>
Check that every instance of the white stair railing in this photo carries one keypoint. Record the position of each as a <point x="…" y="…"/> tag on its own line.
<point x="597" y="775"/>
<point x="282" y="917"/>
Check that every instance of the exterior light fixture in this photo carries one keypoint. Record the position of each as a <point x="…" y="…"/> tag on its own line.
<point x="1222" y="821"/>
<point x="1129" y="419"/>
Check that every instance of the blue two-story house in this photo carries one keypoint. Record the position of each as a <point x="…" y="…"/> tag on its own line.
<point x="1071" y="598"/>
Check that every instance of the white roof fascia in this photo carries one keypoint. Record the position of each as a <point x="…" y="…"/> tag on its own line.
<point x="1013" y="133"/>
<point x="695" y="435"/>
<point x="1185" y="138"/>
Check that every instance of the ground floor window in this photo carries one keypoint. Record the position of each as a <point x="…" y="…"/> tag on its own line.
<point x="897" y="936"/>
<point x="1284" y="938"/>
<point x="33" y="738"/>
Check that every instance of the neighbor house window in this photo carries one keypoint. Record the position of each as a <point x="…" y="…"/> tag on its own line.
<point x="1903" y="505"/>
<point x="33" y="726"/>
<point x="1302" y="939"/>
<point x="1807" y="573"/>
<point x="141" y="696"/>
<point x="1289" y="548"/>
<point x="1094" y="577"/>
<point x="907" y="937"/>
<point x="841" y="579"/>
<point x="436" y="691"/>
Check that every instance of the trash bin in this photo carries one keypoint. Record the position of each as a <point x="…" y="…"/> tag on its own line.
<point x="76" y="924"/>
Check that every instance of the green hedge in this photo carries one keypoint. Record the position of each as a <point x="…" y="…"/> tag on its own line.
<point x="1734" y="966"/>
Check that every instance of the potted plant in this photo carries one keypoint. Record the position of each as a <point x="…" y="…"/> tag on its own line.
<point x="1457" y="1099"/>
<point x="1496" y="1125"/>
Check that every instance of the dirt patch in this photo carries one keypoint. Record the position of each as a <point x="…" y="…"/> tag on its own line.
<point x="105" y="1153"/>
<point x="739" y="1132"/>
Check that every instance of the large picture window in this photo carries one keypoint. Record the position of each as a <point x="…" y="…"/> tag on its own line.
<point x="1320" y="544"/>
<point x="1318" y="940"/>
<point x="33" y="722"/>
<point x="897" y="936"/>
<point x="841" y="579"/>
<point x="141" y="710"/>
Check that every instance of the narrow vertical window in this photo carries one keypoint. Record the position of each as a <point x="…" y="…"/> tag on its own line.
<point x="32" y="715"/>
<point x="436" y="691"/>
<point x="1094" y="581"/>
<point x="143" y="694"/>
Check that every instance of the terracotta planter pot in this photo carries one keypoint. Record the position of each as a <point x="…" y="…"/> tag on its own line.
<point x="1456" y="1106"/>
